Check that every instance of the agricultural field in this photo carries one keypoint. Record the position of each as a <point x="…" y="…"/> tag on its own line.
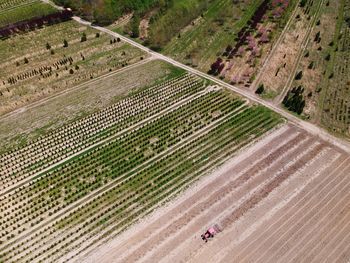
<point x="315" y="60"/>
<point x="208" y="28"/>
<point x="12" y="11"/>
<point x="285" y="199"/>
<point x="92" y="178"/>
<point x="128" y="128"/>
<point x="20" y="128"/>
<point x="55" y="58"/>
<point x="280" y="69"/>
<point x="335" y="94"/>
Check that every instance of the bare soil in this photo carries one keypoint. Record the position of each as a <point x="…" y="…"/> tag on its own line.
<point x="284" y="199"/>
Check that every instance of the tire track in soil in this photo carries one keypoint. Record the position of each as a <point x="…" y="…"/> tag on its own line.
<point x="263" y="193"/>
<point x="268" y="209"/>
<point x="302" y="241"/>
<point x="253" y="242"/>
<point x="312" y="218"/>
<point x="246" y="160"/>
<point x="311" y="249"/>
<point x="211" y="200"/>
<point x="337" y="240"/>
<point x="252" y="246"/>
<point x="230" y="202"/>
<point x="343" y="246"/>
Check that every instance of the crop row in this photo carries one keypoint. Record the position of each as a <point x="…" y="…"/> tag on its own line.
<point x="75" y="137"/>
<point x="13" y="3"/>
<point x="73" y="180"/>
<point x="24" y="12"/>
<point x="123" y="204"/>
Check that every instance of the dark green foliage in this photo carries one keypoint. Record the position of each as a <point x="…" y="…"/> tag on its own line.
<point x="299" y="75"/>
<point x="106" y="11"/>
<point x="317" y="37"/>
<point x="83" y="38"/>
<point x="303" y="3"/>
<point x="328" y="57"/>
<point x="135" y="32"/>
<point x="65" y="43"/>
<point x="294" y="100"/>
<point x="260" y="89"/>
<point x="48" y="46"/>
<point x="168" y="23"/>
<point x="311" y="65"/>
<point x="97" y="35"/>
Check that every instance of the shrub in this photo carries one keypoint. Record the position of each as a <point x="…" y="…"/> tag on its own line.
<point x="83" y="38"/>
<point x="294" y="100"/>
<point x="260" y="89"/>
<point x="311" y="65"/>
<point x="48" y="46"/>
<point x="26" y="61"/>
<point x="97" y="35"/>
<point x="65" y="43"/>
<point x="299" y="75"/>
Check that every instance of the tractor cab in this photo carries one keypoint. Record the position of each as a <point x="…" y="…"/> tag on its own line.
<point x="211" y="232"/>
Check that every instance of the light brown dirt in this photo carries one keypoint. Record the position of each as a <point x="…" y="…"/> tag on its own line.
<point x="285" y="199"/>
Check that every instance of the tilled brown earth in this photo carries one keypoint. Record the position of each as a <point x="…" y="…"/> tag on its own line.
<point x="285" y="199"/>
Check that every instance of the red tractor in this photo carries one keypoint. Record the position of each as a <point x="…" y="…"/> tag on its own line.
<point x="211" y="232"/>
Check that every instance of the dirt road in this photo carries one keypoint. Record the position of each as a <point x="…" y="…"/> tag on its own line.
<point x="345" y="145"/>
<point x="286" y="199"/>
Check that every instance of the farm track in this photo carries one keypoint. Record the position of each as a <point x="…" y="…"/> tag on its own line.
<point x="260" y="202"/>
<point x="292" y="156"/>
<point x="313" y="129"/>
